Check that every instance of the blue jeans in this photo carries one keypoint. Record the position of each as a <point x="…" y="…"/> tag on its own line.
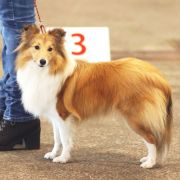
<point x="14" y="14"/>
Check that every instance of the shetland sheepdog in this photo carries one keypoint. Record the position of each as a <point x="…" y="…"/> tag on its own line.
<point x="67" y="91"/>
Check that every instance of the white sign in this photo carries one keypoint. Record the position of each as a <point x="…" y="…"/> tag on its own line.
<point x="88" y="43"/>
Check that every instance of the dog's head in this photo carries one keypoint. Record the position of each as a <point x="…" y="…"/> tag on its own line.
<point x="43" y="49"/>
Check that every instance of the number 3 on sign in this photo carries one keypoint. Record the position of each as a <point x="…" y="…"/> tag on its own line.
<point x="79" y="43"/>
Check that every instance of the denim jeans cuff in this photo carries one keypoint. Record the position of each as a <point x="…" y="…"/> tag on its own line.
<point x="19" y="119"/>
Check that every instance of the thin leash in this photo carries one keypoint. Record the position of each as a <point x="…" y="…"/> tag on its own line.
<point x="42" y="27"/>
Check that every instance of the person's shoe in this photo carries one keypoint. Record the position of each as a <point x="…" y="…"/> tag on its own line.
<point x="24" y="135"/>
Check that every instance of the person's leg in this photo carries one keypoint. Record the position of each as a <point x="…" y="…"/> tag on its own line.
<point x="14" y="110"/>
<point x="15" y="14"/>
<point x="2" y="83"/>
<point x="3" y="78"/>
<point x="17" y="125"/>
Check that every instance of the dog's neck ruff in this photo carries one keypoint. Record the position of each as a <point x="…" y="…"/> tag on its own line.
<point x="39" y="88"/>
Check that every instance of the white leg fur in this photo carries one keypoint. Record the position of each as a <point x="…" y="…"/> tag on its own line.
<point x="150" y="160"/>
<point x="57" y="142"/>
<point x="66" y="131"/>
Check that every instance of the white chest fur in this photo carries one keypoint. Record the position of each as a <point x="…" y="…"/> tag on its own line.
<point x="39" y="88"/>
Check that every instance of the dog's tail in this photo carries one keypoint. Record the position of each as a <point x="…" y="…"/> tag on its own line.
<point x="164" y="138"/>
<point x="158" y="119"/>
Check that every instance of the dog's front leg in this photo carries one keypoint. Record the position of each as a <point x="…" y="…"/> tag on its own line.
<point x="57" y="141"/>
<point x="66" y="133"/>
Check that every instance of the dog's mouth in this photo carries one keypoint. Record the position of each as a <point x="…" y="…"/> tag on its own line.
<point x="41" y="65"/>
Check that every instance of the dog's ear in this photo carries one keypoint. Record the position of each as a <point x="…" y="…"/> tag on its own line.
<point x="29" y="31"/>
<point x="59" y="34"/>
<point x="27" y="34"/>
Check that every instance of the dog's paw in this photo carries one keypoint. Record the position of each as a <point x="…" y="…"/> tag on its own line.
<point x="149" y="163"/>
<point x="61" y="159"/>
<point x="143" y="159"/>
<point x="50" y="155"/>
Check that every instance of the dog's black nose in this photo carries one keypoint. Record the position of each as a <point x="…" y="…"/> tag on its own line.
<point x="42" y="62"/>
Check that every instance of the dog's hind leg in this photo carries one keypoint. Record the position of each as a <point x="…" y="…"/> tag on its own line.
<point x="66" y="132"/>
<point x="150" y="160"/>
<point x="57" y="141"/>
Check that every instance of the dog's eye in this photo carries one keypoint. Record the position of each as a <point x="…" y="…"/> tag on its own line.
<point x="50" y="49"/>
<point x="37" y="47"/>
